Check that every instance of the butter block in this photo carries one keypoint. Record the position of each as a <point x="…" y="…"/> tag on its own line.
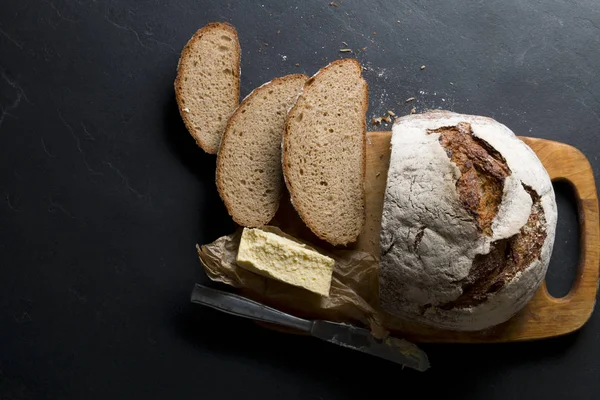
<point x="280" y="258"/>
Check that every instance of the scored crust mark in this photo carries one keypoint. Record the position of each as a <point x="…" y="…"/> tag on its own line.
<point x="480" y="189"/>
<point x="507" y="257"/>
<point x="385" y="251"/>
<point x="418" y="238"/>
<point x="527" y="245"/>
<point x="483" y="171"/>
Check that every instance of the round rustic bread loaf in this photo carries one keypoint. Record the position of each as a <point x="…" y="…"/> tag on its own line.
<point x="468" y="222"/>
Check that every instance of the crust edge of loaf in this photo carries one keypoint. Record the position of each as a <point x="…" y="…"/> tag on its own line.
<point x="519" y="290"/>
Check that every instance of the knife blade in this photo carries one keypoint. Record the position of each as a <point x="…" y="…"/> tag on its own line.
<point x="393" y="349"/>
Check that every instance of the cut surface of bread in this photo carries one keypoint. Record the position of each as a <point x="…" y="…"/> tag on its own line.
<point x="207" y="86"/>
<point x="324" y="152"/>
<point x="249" y="177"/>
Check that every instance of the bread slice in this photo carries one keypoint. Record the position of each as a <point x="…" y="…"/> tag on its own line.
<point x="249" y="177"/>
<point x="207" y="86"/>
<point x="324" y="152"/>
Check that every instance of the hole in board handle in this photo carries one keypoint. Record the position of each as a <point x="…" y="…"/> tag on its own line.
<point x="564" y="262"/>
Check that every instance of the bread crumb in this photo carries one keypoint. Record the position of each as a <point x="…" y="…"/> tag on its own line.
<point x="409" y="100"/>
<point x="387" y="118"/>
<point x="413" y="110"/>
<point x="187" y="110"/>
<point x="333" y="4"/>
<point x="374" y="33"/>
<point x="297" y="64"/>
<point x="266" y="44"/>
<point x="422" y="67"/>
<point x="345" y="51"/>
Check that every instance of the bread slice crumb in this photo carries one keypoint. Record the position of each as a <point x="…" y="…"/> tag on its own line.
<point x="324" y="152"/>
<point x="207" y="87"/>
<point x="249" y="177"/>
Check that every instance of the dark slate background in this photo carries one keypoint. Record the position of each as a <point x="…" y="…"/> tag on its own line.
<point x="103" y="194"/>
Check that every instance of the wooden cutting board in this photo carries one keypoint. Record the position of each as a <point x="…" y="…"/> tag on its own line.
<point x="545" y="316"/>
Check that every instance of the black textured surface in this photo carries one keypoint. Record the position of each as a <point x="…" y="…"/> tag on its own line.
<point x="104" y="194"/>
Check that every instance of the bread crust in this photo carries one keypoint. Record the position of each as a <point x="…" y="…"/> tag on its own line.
<point x="432" y="245"/>
<point x="225" y="143"/>
<point x="327" y="236"/>
<point x="181" y="66"/>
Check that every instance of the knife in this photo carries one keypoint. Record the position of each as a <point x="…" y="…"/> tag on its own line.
<point x="397" y="350"/>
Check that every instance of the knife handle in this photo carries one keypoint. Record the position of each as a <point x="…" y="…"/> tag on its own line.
<point x="242" y="307"/>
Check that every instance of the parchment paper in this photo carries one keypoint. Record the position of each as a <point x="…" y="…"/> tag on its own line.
<point x="353" y="297"/>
